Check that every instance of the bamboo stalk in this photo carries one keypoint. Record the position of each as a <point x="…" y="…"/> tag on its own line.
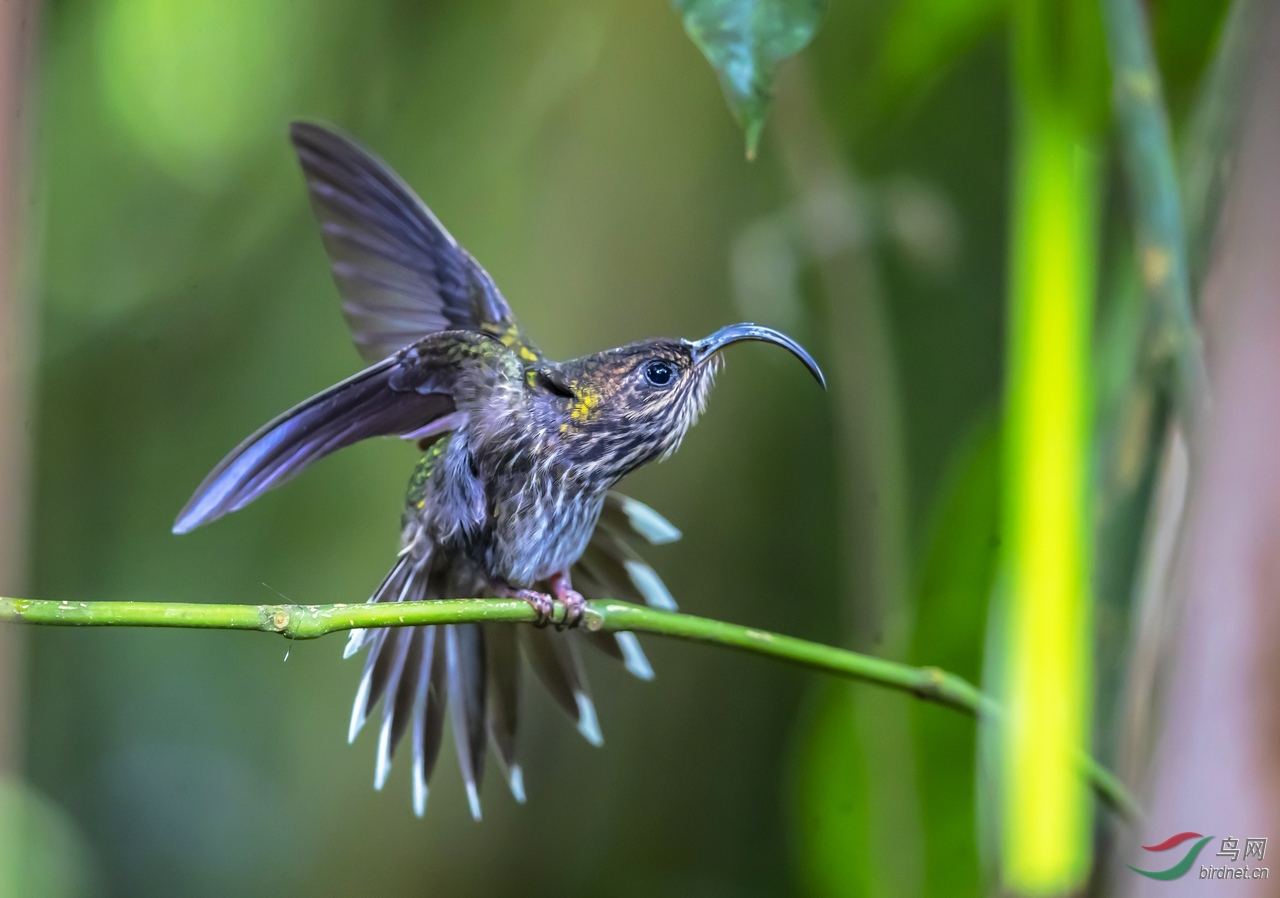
<point x="1147" y="151"/>
<point x="1043" y="669"/>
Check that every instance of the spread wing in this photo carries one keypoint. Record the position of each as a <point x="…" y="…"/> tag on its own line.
<point x="402" y="276"/>
<point x="408" y="394"/>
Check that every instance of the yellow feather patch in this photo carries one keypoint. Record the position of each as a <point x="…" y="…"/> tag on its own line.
<point x="588" y="398"/>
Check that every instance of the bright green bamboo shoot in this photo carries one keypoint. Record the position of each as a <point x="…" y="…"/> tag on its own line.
<point x="1046" y="681"/>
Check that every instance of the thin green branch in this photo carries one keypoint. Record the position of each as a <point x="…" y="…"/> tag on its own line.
<point x="295" y="621"/>
<point x="1147" y="149"/>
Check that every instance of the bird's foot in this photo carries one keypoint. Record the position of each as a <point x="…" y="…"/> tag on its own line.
<point x="542" y="603"/>
<point x="574" y="603"/>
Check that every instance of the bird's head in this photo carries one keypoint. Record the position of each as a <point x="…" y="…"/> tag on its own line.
<point x="623" y="407"/>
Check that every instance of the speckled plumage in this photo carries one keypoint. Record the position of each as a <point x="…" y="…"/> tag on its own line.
<point x="513" y="494"/>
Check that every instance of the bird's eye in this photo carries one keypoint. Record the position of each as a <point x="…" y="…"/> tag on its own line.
<point x="659" y="373"/>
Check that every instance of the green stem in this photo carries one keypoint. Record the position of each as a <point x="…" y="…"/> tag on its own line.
<point x="1147" y="149"/>
<point x="311" y="621"/>
<point x="1043" y="669"/>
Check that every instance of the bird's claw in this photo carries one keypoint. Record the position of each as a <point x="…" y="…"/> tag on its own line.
<point x="574" y="603"/>
<point x="574" y="606"/>
<point x="542" y="603"/>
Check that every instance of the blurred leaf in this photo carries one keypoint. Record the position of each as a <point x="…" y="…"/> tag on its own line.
<point x="41" y="851"/>
<point x="954" y="580"/>
<point x="744" y="40"/>
<point x="829" y="820"/>
<point x="1185" y="36"/>
<point x="913" y="55"/>
<point x="957" y="569"/>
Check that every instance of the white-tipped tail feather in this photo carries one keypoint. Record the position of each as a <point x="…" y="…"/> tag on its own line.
<point x="588" y="723"/>
<point x="646" y="580"/>
<point x="646" y="522"/>
<point x="515" y="779"/>
<point x="633" y="656"/>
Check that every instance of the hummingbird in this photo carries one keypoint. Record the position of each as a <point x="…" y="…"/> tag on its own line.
<point x="513" y="495"/>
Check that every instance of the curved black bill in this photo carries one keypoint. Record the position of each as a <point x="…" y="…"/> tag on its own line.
<point x="735" y="333"/>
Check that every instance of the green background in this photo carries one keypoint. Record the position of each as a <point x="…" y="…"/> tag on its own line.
<point x="582" y="151"/>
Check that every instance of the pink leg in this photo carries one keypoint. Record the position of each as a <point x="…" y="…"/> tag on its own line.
<point x="574" y="603"/>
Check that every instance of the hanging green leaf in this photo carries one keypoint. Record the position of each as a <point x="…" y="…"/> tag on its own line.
<point x="744" y="40"/>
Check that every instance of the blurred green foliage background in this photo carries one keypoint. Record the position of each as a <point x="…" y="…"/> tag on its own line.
<point x="583" y="153"/>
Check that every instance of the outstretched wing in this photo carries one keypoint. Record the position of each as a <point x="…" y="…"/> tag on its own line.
<point x="401" y="274"/>
<point x="409" y="394"/>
